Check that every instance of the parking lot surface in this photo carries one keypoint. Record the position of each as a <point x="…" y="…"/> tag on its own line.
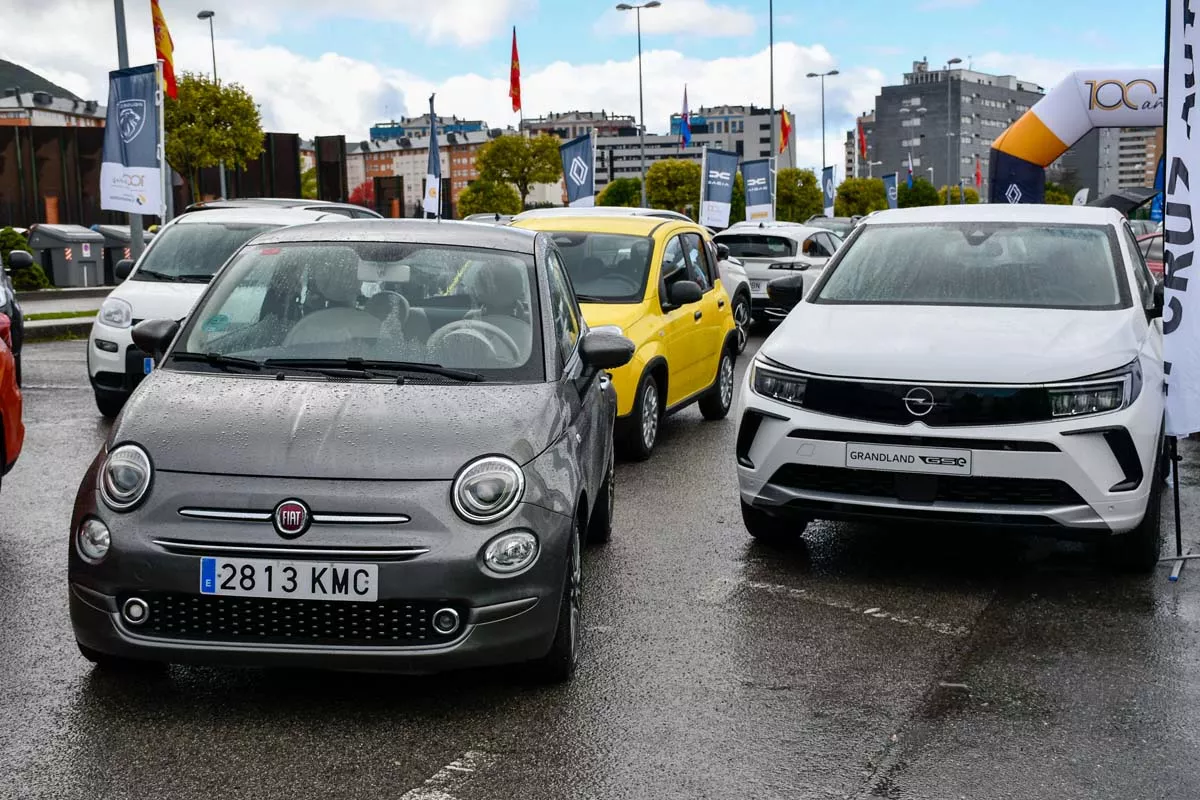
<point x="885" y="662"/>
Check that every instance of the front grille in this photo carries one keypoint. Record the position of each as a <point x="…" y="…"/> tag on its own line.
<point x="913" y="488"/>
<point x="953" y="405"/>
<point x="388" y="623"/>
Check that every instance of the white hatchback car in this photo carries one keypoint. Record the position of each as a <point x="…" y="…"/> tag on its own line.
<point x="995" y="364"/>
<point x="165" y="283"/>
<point x="768" y="250"/>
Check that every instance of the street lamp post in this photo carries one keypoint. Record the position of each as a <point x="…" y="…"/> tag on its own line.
<point x="930" y="171"/>
<point x="637" y="9"/>
<point x="212" y="38"/>
<point x="871" y="164"/>
<point x="949" y="127"/>
<point x="823" y="76"/>
<point x="920" y="112"/>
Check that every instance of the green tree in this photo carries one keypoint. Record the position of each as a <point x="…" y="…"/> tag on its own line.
<point x="520" y="161"/>
<point x="488" y="197"/>
<point x="308" y="184"/>
<point x="23" y="280"/>
<point x="922" y="193"/>
<point x="625" y="192"/>
<point x="211" y="122"/>
<point x="797" y="195"/>
<point x="955" y="197"/>
<point x="1057" y="195"/>
<point x="674" y="184"/>
<point x="737" y="210"/>
<point x="860" y="196"/>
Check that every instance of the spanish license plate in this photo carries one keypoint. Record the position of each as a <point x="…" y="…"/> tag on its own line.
<point x="933" y="460"/>
<point x="293" y="580"/>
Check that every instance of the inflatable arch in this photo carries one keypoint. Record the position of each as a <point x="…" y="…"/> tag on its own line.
<point x="1128" y="98"/>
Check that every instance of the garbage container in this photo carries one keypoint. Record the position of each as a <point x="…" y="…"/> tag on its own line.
<point x="71" y="255"/>
<point x="117" y="240"/>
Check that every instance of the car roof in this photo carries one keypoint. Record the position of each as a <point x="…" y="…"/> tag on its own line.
<point x="610" y="223"/>
<point x="448" y="232"/>
<point x="264" y="215"/>
<point x="272" y="202"/>
<point x="998" y="212"/>
<point x="790" y="230"/>
<point x="600" y="211"/>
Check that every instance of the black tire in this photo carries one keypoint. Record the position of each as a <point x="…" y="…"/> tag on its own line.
<point x="717" y="401"/>
<point x="116" y="663"/>
<point x="772" y="530"/>
<point x="640" y="430"/>
<point x="1138" y="551"/>
<point x="744" y="320"/>
<point x="600" y="524"/>
<point x="110" y="403"/>
<point x="558" y="666"/>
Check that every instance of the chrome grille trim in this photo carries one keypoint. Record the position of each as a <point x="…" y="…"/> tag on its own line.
<point x="216" y="513"/>
<point x="193" y="548"/>
<point x="360" y="519"/>
<point x="228" y="515"/>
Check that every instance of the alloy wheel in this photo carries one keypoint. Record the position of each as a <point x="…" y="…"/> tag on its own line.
<point x="650" y="414"/>
<point x="741" y="318"/>
<point x="726" y="385"/>
<point x="574" y="594"/>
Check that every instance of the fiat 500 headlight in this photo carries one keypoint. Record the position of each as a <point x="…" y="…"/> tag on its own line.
<point x="125" y="477"/>
<point x="488" y="489"/>
<point x="116" y="313"/>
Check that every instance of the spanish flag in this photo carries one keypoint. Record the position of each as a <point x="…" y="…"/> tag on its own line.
<point x="785" y="129"/>
<point x="514" y="75"/>
<point x="164" y="50"/>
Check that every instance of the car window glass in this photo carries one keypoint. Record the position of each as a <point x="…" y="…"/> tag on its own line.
<point x="192" y="252"/>
<point x="815" y="247"/>
<point x="562" y="308"/>
<point x="699" y="269"/>
<point x="604" y="267"/>
<point x="1155" y="250"/>
<point x="674" y="265"/>
<point x="1141" y="273"/>
<point x="750" y="245"/>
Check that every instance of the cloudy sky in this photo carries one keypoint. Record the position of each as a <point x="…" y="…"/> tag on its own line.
<point x="322" y="67"/>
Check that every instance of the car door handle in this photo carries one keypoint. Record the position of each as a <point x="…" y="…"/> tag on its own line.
<point x="698" y="315"/>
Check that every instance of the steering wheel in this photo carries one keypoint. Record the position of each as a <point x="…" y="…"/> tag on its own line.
<point x="492" y="332"/>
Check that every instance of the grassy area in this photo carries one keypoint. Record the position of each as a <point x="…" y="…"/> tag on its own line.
<point x="60" y="315"/>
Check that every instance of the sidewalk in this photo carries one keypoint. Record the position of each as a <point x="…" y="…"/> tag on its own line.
<point x="60" y="301"/>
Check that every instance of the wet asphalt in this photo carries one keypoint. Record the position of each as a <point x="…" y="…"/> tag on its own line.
<point x="883" y="662"/>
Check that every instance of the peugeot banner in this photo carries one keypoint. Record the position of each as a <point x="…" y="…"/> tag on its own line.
<point x="579" y="173"/>
<point x="130" y="178"/>
<point x="828" y="190"/>
<point x="892" y="189"/>
<point x="716" y="187"/>
<point x="756" y="175"/>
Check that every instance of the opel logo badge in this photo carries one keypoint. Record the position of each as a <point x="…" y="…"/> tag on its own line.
<point x="291" y="519"/>
<point x="919" y="401"/>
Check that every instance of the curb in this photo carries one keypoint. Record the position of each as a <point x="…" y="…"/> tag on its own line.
<point x="52" y="329"/>
<point x="64" y="294"/>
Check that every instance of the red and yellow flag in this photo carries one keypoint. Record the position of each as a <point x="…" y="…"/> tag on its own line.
<point x="514" y="76"/>
<point x="785" y="130"/>
<point x="164" y="50"/>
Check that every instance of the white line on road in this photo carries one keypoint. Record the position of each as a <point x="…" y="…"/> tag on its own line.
<point x="450" y="778"/>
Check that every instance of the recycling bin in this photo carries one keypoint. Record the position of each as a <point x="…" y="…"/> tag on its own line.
<point x="71" y="255"/>
<point x="117" y="241"/>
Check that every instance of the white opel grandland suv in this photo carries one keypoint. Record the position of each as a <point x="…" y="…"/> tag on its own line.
<point x="994" y="364"/>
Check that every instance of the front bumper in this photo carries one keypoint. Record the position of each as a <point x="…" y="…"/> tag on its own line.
<point x="117" y="372"/>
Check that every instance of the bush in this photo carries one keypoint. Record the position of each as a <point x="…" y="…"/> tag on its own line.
<point x="11" y="240"/>
<point x="23" y="280"/>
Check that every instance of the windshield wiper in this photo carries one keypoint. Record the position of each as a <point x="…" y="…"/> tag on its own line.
<point x="367" y="366"/>
<point x="155" y="276"/>
<point x="218" y="360"/>
<point x="589" y="298"/>
<point x="195" y="277"/>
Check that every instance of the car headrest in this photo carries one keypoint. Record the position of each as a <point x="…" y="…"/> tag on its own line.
<point x="335" y="275"/>
<point x="498" y="286"/>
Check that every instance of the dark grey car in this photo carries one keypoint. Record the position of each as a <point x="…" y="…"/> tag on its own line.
<point x="371" y="446"/>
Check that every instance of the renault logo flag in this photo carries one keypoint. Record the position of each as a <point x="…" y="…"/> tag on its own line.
<point x="718" y="169"/>
<point x="828" y="190"/>
<point x="130" y="178"/>
<point x="756" y="175"/>
<point x="891" y="189"/>
<point x="579" y="171"/>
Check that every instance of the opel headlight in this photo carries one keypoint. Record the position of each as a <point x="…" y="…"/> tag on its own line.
<point x="116" y="313"/>
<point x="1110" y="391"/>
<point x="779" y="386"/>
<point x="125" y="477"/>
<point x="488" y="489"/>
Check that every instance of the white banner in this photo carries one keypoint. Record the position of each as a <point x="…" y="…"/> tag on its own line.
<point x="758" y="213"/>
<point x="134" y="190"/>
<point x="714" y="214"/>
<point x="1181" y="322"/>
<point x="432" y="203"/>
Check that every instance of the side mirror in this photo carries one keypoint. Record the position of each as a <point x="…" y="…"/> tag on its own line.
<point x="154" y="336"/>
<point x="722" y="252"/>
<point x="20" y="259"/>
<point x="681" y="293"/>
<point x="6" y="330"/>
<point x="786" y="292"/>
<point x="123" y="268"/>
<point x="1159" y="291"/>
<point x="600" y="350"/>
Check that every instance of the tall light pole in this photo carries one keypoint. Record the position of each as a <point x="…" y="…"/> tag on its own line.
<point x="637" y="9"/>
<point x="871" y="164"/>
<point x="823" y="76"/>
<point x="949" y="126"/>
<point x="212" y="38"/>
<point x="771" y="61"/>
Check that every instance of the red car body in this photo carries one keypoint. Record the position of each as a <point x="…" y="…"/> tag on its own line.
<point x="12" y="429"/>
<point x="1151" y="245"/>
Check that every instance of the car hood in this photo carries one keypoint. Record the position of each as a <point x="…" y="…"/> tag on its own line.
<point x="623" y="315"/>
<point x="159" y="300"/>
<point x="232" y="425"/>
<point x="958" y="344"/>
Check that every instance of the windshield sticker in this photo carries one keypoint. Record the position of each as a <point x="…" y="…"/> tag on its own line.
<point x="270" y="251"/>
<point x="216" y="323"/>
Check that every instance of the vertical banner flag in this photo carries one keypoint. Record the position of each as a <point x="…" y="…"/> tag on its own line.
<point x="756" y="175"/>
<point x="514" y="76"/>
<point x="164" y="49"/>
<point x="685" y="122"/>
<point x="785" y="129"/>
<point x="1081" y="197"/>
<point x="1156" y="206"/>
<point x="892" y="189"/>
<point x="910" y="169"/>
<point x="978" y="176"/>
<point x="433" y="172"/>
<point x="962" y="193"/>
<point x="130" y="178"/>
<point x="716" y="187"/>
<point x="578" y="160"/>
<point x="862" y="140"/>
<point x="828" y="190"/>
<point x="1181" y="322"/>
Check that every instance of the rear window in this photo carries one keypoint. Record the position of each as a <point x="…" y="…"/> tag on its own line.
<point x="757" y="245"/>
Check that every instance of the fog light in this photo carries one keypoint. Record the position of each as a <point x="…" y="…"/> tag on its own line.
<point x="445" y="621"/>
<point x="135" y="611"/>
<point x="511" y="552"/>
<point x="92" y="540"/>
<point x="106" y="346"/>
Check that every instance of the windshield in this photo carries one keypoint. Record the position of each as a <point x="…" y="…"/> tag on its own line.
<point x="455" y="307"/>
<point x="606" y="267"/>
<point x="757" y="245"/>
<point x="193" y="252"/>
<point x="979" y="264"/>
<point x="839" y="226"/>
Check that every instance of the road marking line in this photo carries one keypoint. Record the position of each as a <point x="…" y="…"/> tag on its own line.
<point x="450" y="778"/>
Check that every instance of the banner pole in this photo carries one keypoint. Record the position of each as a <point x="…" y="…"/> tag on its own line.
<point x="164" y="178"/>
<point x="703" y="182"/>
<point x="774" y="168"/>
<point x="595" y="194"/>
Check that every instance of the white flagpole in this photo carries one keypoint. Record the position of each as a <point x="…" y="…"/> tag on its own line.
<point x="595" y="194"/>
<point x="164" y="176"/>
<point x="703" y="176"/>
<point x="774" y="167"/>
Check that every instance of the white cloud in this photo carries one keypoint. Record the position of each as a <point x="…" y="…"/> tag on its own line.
<point x="697" y="17"/>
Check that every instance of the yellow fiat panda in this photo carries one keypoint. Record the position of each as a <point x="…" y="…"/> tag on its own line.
<point x="656" y="281"/>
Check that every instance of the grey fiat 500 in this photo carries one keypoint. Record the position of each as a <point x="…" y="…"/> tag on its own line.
<point x="371" y="446"/>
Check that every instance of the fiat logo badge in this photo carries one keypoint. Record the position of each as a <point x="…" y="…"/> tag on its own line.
<point x="291" y="519"/>
<point x="919" y="401"/>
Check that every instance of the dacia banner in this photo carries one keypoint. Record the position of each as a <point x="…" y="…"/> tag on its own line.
<point x="756" y="175"/>
<point x="579" y="173"/>
<point x="130" y="178"/>
<point x="828" y="190"/>
<point x="716" y="187"/>
<point x="1181" y="322"/>
<point x="892" y="189"/>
